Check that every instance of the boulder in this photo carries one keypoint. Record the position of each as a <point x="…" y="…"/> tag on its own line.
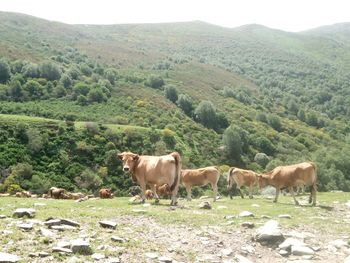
<point x="8" y="258"/>
<point x="241" y="259"/>
<point x="62" y="250"/>
<point x="269" y="233"/>
<point x="246" y="214"/>
<point x="80" y="246"/>
<point x="117" y="239"/>
<point x="302" y="250"/>
<point x="205" y="205"/>
<point x="21" y="212"/>
<point x="108" y="224"/>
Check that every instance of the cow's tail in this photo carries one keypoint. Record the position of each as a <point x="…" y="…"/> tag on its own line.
<point x="230" y="173"/>
<point x="177" y="158"/>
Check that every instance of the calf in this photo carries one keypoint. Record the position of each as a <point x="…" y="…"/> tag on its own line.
<point x="56" y="193"/>
<point x="105" y="193"/>
<point x="200" y="177"/>
<point x="240" y="178"/>
<point x="291" y="176"/>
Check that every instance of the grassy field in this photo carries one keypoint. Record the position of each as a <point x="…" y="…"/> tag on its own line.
<point x="139" y="222"/>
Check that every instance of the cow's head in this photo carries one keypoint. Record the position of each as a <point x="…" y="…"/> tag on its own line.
<point x="263" y="180"/>
<point x="129" y="160"/>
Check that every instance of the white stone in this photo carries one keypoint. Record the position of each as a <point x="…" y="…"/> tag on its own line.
<point x="339" y="243"/>
<point x="108" y="224"/>
<point x="270" y="232"/>
<point x="226" y="252"/>
<point x="6" y="257"/>
<point x="20" y="212"/>
<point x="25" y="226"/>
<point x="241" y="259"/>
<point x="151" y="255"/>
<point x="165" y="259"/>
<point x="302" y="250"/>
<point x="46" y="233"/>
<point x="291" y="242"/>
<point x="246" y="214"/>
<point x="285" y="216"/>
<point x="117" y="239"/>
<point x="81" y="246"/>
<point x="62" y="250"/>
<point x="97" y="256"/>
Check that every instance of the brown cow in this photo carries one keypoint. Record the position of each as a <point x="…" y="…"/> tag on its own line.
<point x="153" y="171"/>
<point x="200" y="177"/>
<point x="241" y="178"/>
<point x="149" y="194"/>
<point x="290" y="176"/>
<point x="105" y="193"/>
<point x="23" y="194"/>
<point x="163" y="190"/>
<point x="56" y="193"/>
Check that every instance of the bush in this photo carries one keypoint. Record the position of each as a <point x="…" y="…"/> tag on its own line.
<point x="88" y="179"/>
<point x="154" y="81"/>
<point x="5" y="72"/>
<point x="275" y="122"/>
<point x="185" y="103"/>
<point x="262" y="159"/>
<point x="50" y="71"/>
<point x="205" y="113"/>
<point x="233" y="143"/>
<point x="171" y="93"/>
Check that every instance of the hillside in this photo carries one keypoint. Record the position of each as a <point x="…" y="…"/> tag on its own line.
<point x="250" y="96"/>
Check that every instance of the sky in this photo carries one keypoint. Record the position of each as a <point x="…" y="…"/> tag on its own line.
<point x="287" y="15"/>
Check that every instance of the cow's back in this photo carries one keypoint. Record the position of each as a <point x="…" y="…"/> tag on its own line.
<point x="244" y="177"/>
<point x="199" y="177"/>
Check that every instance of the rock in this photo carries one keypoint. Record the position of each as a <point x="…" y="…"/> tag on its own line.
<point x="248" y="249"/>
<point x="289" y="242"/>
<point x="205" y="205"/>
<point x="34" y="255"/>
<point x="113" y="260"/>
<point x="151" y="255"/>
<point x="2" y="216"/>
<point x="25" y="226"/>
<point x="63" y="227"/>
<point x="80" y="246"/>
<point x="108" y="224"/>
<point x="222" y="207"/>
<point x="21" y="212"/>
<point x="43" y="254"/>
<point x="135" y="199"/>
<point x="98" y="256"/>
<point x="247" y="224"/>
<point x="339" y="243"/>
<point x="6" y="257"/>
<point x="283" y="252"/>
<point x="46" y="233"/>
<point x="270" y="233"/>
<point x="347" y="259"/>
<point x="204" y="197"/>
<point x="52" y="222"/>
<point x="302" y="250"/>
<point x="246" y="214"/>
<point x="241" y="259"/>
<point x="117" y="239"/>
<point x="62" y="250"/>
<point x="64" y="244"/>
<point x="266" y="217"/>
<point x="165" y="259"/>
<point x="285" y="216"/>
<point x="70" y="222"/>
<point x="226" y="252"/>
<point x="230" y="217"/>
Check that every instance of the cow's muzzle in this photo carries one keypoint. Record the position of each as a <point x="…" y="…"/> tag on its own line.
<point x="126" y="169"/>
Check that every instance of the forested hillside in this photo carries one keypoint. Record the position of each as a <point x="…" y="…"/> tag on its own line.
<point x="72" y="96"/>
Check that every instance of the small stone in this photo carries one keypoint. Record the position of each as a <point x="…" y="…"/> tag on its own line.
<point x="62" y="250"/>
<point x="81" y="246"/>
<point x="135" y="199"/>
<point x="117" y="239"/>
<point x="52" y="222"/>
<point x="63" y="227"/>
<point x="339" y="243"/>
<point x="302" y="250"/>
<point x="2" y="216"/>
<point x="266" y="217"/>
<point x="25" y="226"/>
<point x="241" y="259"/>
<point x="285" y="216"/>
<point x="21" y="212"/>
<point x="151" y="255"/>
<point x="226" y="252"/>
<point x="230" y="217"/>
<point x="70" y="222"/>
<point x="8" y="258"/>
<point x="113" y="260"/>
<point x="248" y="249"/>
<point x="248" y="224"/>
<point x="64" y="244"/>
<point x="46" y="233"/>
<point x="286" y="245"/>
<point x="165" y="259"/>
<point x="283" y="253"/>
<point x="270" y="233"/>
<point x="205" y="205"/>
<point x="34" y="255"/>
<point x="98" y="256"/>
<point x="246" y="214"/>
<point x="43" y="254"/>
<point x="108" y="224"/>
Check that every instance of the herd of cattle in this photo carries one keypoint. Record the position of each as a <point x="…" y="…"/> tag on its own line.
<point x="163" y="175"/>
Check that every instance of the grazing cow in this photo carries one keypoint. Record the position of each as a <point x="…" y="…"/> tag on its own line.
<point x="240" y="178"/>
<point x="149" y="194"/>
<point x="23" y="194"/>
<point x="200" y="177"/>
<point x="56" y="193"/>
<point x="153" y="171"/>
<point x="105" y="193"/>
<point x="163" y="190"/>
<point x="74" y="196"/>
<point x="290" y="176"/>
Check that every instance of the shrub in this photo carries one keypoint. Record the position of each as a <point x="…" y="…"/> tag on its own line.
<point x="5" y="72"/>
<point x="185" y="103"/>
<point x="171" y="93"/>
<point x="154" y="81"/>
<point x="262" y="159"/>
<point x="50" y="71"/>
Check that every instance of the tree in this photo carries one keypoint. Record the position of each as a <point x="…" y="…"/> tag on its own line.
<point x="5" y="72"/>
<point x="154" y="81"/>
<point x="301" y="115"/>
<point x="171" y="93"/>
<point x="262" y="159"/>
<point x="96" y="95"/>
<point x="31" y="70"/>
<point x="111" y="75"/>
<point x="50" y="71"/>
<point x="88" y="179"/>
<point x="275" y="122"/>
<point x="15" y="91"/>
<point x="232" y="143"/>
<point x="185" y="103"/>
<point x="205" y="113"/>
<point x="264" y="145"/>
<point x="66" y="81"/>
<point x="34" y="89"/>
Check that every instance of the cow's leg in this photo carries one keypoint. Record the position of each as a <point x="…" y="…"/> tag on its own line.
<point x="251" y="191"/>
<point x="240" y="191"/>
<point x="277" y="193"/>
<point x="189" y="195"/>
<point x="215" y="190"/>
<point x="312" y="198"/>
<point x="230" y="190"/>
<point x="291" y="190"/>
<point x="143" y="191"/>
<point x="174" y="196"/>
<point x="156" y="196"/>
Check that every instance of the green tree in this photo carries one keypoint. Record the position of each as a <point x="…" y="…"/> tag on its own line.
<point x="185" y="103"/>
<point x="111" y="75"/>
<point x="50" y="71"/>
<point x="96" y="95"/>
<point x="66" y="81"/>
<point x="5" y="72"/>
<point x="301" y="115"/>
<point x="34" y="89"/>
<point x="31" y="70"/>
<point x="170" y="92"/>
<point x="205" y="113"/>
<point x="275" y="122"/>
<point x="154" y="81"/>
<point x="15" y="91"/>
<point x="232" y="143"/>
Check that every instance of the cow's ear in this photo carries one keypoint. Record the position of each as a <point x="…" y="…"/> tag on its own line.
<point x="120" y="156"/>
<point x="135" y="157"/>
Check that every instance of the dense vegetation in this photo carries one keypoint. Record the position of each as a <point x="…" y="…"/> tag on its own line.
<point x="252" y="97"/>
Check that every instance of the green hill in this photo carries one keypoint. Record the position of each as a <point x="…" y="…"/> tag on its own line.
<point x="250" y="96"/>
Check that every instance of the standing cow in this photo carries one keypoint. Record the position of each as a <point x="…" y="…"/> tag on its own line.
<point x="200" y="177"/>
<point x="153" y="171"/>
<point x="240" y="178"/>
<point x="291" y="176"/>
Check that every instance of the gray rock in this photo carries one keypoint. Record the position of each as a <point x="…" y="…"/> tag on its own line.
<point x="302" y="250"/>
<point x="113" y="260"/>
<point x="248" y="224"/>
<point x="63" y="227"/>
<point x="117" y="239"/>
<point x="165" y="259"/>
<point x="45" y="232"/>
<point x="2" y="216"/>
<point x="339" y="243"/>
<point x="21" y="212"/>
<point x="70" y="222"/>
<point x="248" y="249"/>
<point x="269" y="233"/>
<point x="62" y="250"/>
<point x="266" y="217"/>
<point x="283" y="252"/>
<point x="246" y="214"/>
<point x="81" y="246"/>
<point x="205" y="205"/>
<point x="226" y="252"/>
<point x="25" y="226"/>
<point x="52" y="222"/>
<point x="285" y="216"/>
<point x="347" y="259"/>
<point x="289" y="242"/>
<point x="151" y="255"/>
<point x="6" y="257"/>
<point x="230" y="217"/>
<point x="98" y="256"/>
<point x="241" y="259"/>
<point x="108" y="224"/>
<point x="64" y="244"/>
<point x="43" y="254"/>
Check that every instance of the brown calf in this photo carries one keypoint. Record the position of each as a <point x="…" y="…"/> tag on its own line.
<point x="240" y="178"/>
